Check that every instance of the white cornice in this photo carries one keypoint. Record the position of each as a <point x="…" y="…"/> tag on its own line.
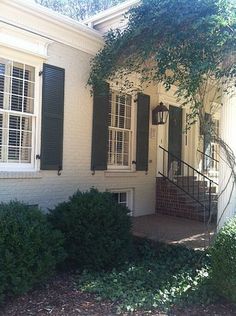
<point x="111" y="13"/>
<point x="22" y="41"/>
<point x="62" y="29"/>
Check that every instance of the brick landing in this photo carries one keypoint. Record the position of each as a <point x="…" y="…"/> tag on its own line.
<point x="173" y="230"/>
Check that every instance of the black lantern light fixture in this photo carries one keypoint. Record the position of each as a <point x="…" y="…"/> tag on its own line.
<point x="160" y="114"/>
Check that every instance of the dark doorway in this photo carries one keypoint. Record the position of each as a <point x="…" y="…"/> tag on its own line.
<point x="175" y="139"/>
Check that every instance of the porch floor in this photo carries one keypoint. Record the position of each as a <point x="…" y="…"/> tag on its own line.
<point x="173" y="230"/>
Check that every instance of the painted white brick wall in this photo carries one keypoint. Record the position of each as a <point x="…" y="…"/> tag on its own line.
<point x="46" y="188"/>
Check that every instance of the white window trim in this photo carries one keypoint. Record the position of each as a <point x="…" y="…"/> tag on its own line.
<point x="37" y="63"/>
<point x="132" y="149"/>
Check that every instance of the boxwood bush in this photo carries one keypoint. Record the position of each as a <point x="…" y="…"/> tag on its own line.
<point x="223" y="255"/>
<point x="96" y="229"/>
<point x="30" y="248"/>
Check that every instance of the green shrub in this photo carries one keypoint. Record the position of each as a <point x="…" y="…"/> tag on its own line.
<point x="96" y="229"/>
<point x="223" y="254"/>
<point x="29" y="248"/>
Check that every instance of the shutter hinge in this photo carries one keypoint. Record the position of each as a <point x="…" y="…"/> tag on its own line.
<point x="93" y="171"/>
<point x="38" y="157"/>
<point x="59" y="170"/>
<point x="40" y="72"/>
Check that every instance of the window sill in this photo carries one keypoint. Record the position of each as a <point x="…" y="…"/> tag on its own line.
<point x="120" y="173"/>
<point x="20" y="175"/>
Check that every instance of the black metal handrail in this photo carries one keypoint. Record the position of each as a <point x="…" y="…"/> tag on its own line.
<point x="185" y="163"/>
<point x="208" y="156"/>
<point x="195" y="184"/>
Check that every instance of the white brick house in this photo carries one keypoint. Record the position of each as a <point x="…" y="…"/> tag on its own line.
<point x="47" y="124"/>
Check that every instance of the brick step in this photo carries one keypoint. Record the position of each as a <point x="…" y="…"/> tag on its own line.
<point x="172" y="200"/>
<point x="201" y="197"/>
<point x="190" y="180"/>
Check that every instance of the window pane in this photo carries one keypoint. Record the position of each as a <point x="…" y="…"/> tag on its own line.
<point x="120" y="198"/>
<point x="17" y="86"/>
<point x="25" y="155"/>
<point x="16" y="103"/>
<point x="18" y="70"/>
<point x="26" y="123"/>
<point x="2" y="67"/>
<point x="123" y="197"/>
<point x="29" y="89"/>
<point x="127" y="123"/>
<point x="13" y="154"/>
<point x="26" y="139"/>
<point x="14" y="122"/>
<point x="122" y="122"/>
<point x="2" y="78"/>
<point x="29" y="73"/>
<point x="1" y="100"/>
<point x="28" y="106"/>
<point x="14" y="138"/>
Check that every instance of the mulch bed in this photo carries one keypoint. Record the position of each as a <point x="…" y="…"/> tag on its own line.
<point x="59" y="297"/>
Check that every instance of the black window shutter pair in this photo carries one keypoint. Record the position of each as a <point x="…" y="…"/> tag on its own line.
<point x="52" y="117"/>
<point x="100" y="130"/>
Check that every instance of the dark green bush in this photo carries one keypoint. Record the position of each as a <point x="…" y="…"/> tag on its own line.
<point x="96" y="229"/>
<point x="223" y="254"/>
<point x="29" y="248"/>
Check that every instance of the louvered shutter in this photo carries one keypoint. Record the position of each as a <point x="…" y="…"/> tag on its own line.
<point x="52" y="117"/>
<point x="100" y="128"/>
<point x="142" y="145"/>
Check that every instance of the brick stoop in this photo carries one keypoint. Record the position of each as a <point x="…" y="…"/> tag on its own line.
<point x="171" y="200"/>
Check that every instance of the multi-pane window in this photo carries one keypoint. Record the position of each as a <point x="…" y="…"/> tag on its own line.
<point x="120" y="134"/>
<point x="121" y="198"/>
<point x="17" y="85"/>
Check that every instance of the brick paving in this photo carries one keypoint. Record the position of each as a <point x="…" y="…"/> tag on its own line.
<point x="174" y="230"/>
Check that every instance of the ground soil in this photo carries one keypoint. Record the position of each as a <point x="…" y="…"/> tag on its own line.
<point x="59" y="297"/>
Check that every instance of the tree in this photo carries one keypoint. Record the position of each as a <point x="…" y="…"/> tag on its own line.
<point x="78" y="9"/>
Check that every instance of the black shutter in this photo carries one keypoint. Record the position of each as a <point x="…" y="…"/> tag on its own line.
<point x="100" y="128"/>
<point x="52" y="117"/>
<point x="142" y="145"/>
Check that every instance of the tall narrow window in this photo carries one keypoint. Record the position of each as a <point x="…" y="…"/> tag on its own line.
<point x="120" y="133"/>
<point x="17" y="119"/>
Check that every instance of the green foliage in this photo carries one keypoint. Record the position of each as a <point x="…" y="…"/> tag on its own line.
<point x="29" y="248"/>
<point x="171" y="275"/>
<point x="182" y="42"/>
<point x="223" y="255"/>
<point x="96" y="228"/>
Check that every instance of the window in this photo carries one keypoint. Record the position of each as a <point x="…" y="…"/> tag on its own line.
<point x="17" y="118"/>
<point x="121" y="198"/>
<point x="120" y="133"/>
<point x="124" y="197"/>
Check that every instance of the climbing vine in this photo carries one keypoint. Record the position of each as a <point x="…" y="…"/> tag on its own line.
<point x="183" y="43"/>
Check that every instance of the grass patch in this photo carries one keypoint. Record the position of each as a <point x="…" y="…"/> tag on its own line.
<point x="157" y="277"/>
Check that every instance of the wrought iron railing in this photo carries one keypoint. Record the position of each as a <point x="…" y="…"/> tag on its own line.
<point x="195" y="184"/>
